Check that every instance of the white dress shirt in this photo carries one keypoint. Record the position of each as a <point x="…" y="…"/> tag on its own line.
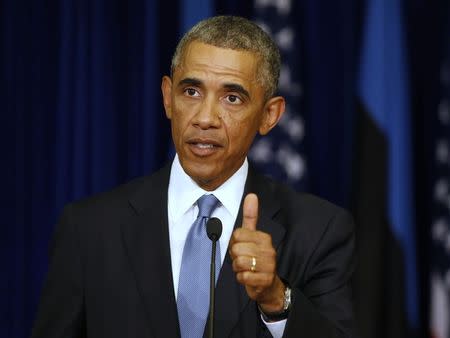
<point x="183" y="194"/>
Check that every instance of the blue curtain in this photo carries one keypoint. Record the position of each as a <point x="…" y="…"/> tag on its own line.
<point x="81" y="113"/>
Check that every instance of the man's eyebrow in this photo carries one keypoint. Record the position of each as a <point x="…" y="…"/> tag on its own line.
<point x="190" y="81"/>
<point x="236" y="88"/>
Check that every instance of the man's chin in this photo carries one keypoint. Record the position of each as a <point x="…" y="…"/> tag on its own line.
<point x="204" y="178"/>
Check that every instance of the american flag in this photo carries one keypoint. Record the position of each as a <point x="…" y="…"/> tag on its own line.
<point x="281" y="153"/>
<point x="440" y="229"/>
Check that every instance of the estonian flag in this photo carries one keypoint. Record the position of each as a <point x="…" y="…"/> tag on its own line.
<point x="384" y="198"/>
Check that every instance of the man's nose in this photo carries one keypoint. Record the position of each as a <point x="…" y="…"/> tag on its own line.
<point x="208" y="115"/>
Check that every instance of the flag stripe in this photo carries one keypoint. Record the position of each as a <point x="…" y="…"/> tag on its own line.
<point x="383" y="85"/>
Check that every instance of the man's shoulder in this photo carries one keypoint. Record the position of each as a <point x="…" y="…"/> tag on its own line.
<point x="300" y="201"/>
<point x="119" y="196"/>
<point x="305" y="216"/>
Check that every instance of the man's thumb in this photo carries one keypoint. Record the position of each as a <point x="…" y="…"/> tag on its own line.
<point x="250" y="212"/>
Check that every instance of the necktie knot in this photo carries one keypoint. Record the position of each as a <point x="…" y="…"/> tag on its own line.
<point x="206" y="205"/>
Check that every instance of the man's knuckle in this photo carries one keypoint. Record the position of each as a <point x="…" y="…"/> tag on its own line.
<point x="266" y="238"/>
<point x="272" y="253"/>
<point x="246" y="276"/>
<point x="240" y="262"/>
<point x="237" y="235"/>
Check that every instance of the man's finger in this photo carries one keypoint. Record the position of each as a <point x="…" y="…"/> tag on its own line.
<point x="250" y="212"/>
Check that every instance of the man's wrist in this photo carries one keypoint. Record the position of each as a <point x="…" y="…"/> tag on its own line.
<point x="273" y="316"/>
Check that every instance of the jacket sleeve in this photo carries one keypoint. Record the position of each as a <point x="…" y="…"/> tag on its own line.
<point x="60" y="313"/>
<point x="322" y="304"/>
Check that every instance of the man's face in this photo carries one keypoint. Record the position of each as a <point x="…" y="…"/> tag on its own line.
<point x="216" y="107"/>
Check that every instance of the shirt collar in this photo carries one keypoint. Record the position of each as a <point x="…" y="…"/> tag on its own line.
<point x="184" y="192"/>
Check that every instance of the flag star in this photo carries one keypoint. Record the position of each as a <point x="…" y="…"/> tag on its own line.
<point x="439" y="229"/>
<point x="444" y="112"/>
<point x="283" y="6"/>
<point x="442" y="152"/>
<point x="285" y="38"/>
<point x="441" y="190"/>
<point x="286" y="84"/>
<point x="447" y="279"/>
<point x="285" y="76"/>
<point x="296" y="129"/>
<point x="293" y="125"/>
<point x="262" y="151"/>
<point x="292" y="162"/>
<point x="262" y="3"/>
<point x="295" y="167"/>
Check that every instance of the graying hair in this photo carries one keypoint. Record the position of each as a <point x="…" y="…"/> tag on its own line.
<point x="237" y="33"/>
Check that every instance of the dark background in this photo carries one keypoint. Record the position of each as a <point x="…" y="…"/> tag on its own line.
<point x="81" y="112"/>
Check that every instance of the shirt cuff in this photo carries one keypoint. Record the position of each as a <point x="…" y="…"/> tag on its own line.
<point x="275" y="328"/>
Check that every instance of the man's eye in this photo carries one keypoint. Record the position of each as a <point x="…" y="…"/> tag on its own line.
<point x="234" y="99"/>
<point x="191" y="92"/>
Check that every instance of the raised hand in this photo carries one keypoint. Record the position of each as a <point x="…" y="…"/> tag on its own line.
<point x="254" y="260"/>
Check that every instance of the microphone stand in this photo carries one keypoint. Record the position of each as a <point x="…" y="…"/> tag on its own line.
<point x="214" y="230"/>
<point x="212" y="289"/>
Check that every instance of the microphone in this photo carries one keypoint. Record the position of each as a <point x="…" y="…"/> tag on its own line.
<point x="214" y="230"/>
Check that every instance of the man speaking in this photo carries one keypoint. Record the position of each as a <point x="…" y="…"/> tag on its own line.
<point x="134" y="261"/>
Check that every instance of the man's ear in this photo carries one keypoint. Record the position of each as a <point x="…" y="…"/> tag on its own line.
<point x="166" y="88"/>
<point x="273" y="111"/>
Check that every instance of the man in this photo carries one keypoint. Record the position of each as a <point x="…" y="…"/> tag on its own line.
<point x="119" y="260"/>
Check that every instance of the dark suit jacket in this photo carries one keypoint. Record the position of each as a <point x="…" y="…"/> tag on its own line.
<point x="110" y="272"/>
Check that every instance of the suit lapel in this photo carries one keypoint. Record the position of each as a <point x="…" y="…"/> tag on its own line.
<point x="146" y="239"/>
<point x="231" y="297"/>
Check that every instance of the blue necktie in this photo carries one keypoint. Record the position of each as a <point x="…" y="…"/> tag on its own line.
<point x="193" y="286"/>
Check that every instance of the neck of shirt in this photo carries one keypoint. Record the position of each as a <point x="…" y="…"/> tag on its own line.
<point x="183" y="194"/>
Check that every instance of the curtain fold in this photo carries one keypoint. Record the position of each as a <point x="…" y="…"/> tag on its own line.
<point x="82" y="113"/>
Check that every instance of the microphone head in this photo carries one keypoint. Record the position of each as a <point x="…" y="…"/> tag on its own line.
<point x="214" y="228"/>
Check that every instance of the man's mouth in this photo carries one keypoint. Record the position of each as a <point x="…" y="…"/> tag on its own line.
<point x="204" y="145"/>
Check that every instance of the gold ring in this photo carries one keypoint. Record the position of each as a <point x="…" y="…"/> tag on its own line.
<point x="253" y="266"/>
